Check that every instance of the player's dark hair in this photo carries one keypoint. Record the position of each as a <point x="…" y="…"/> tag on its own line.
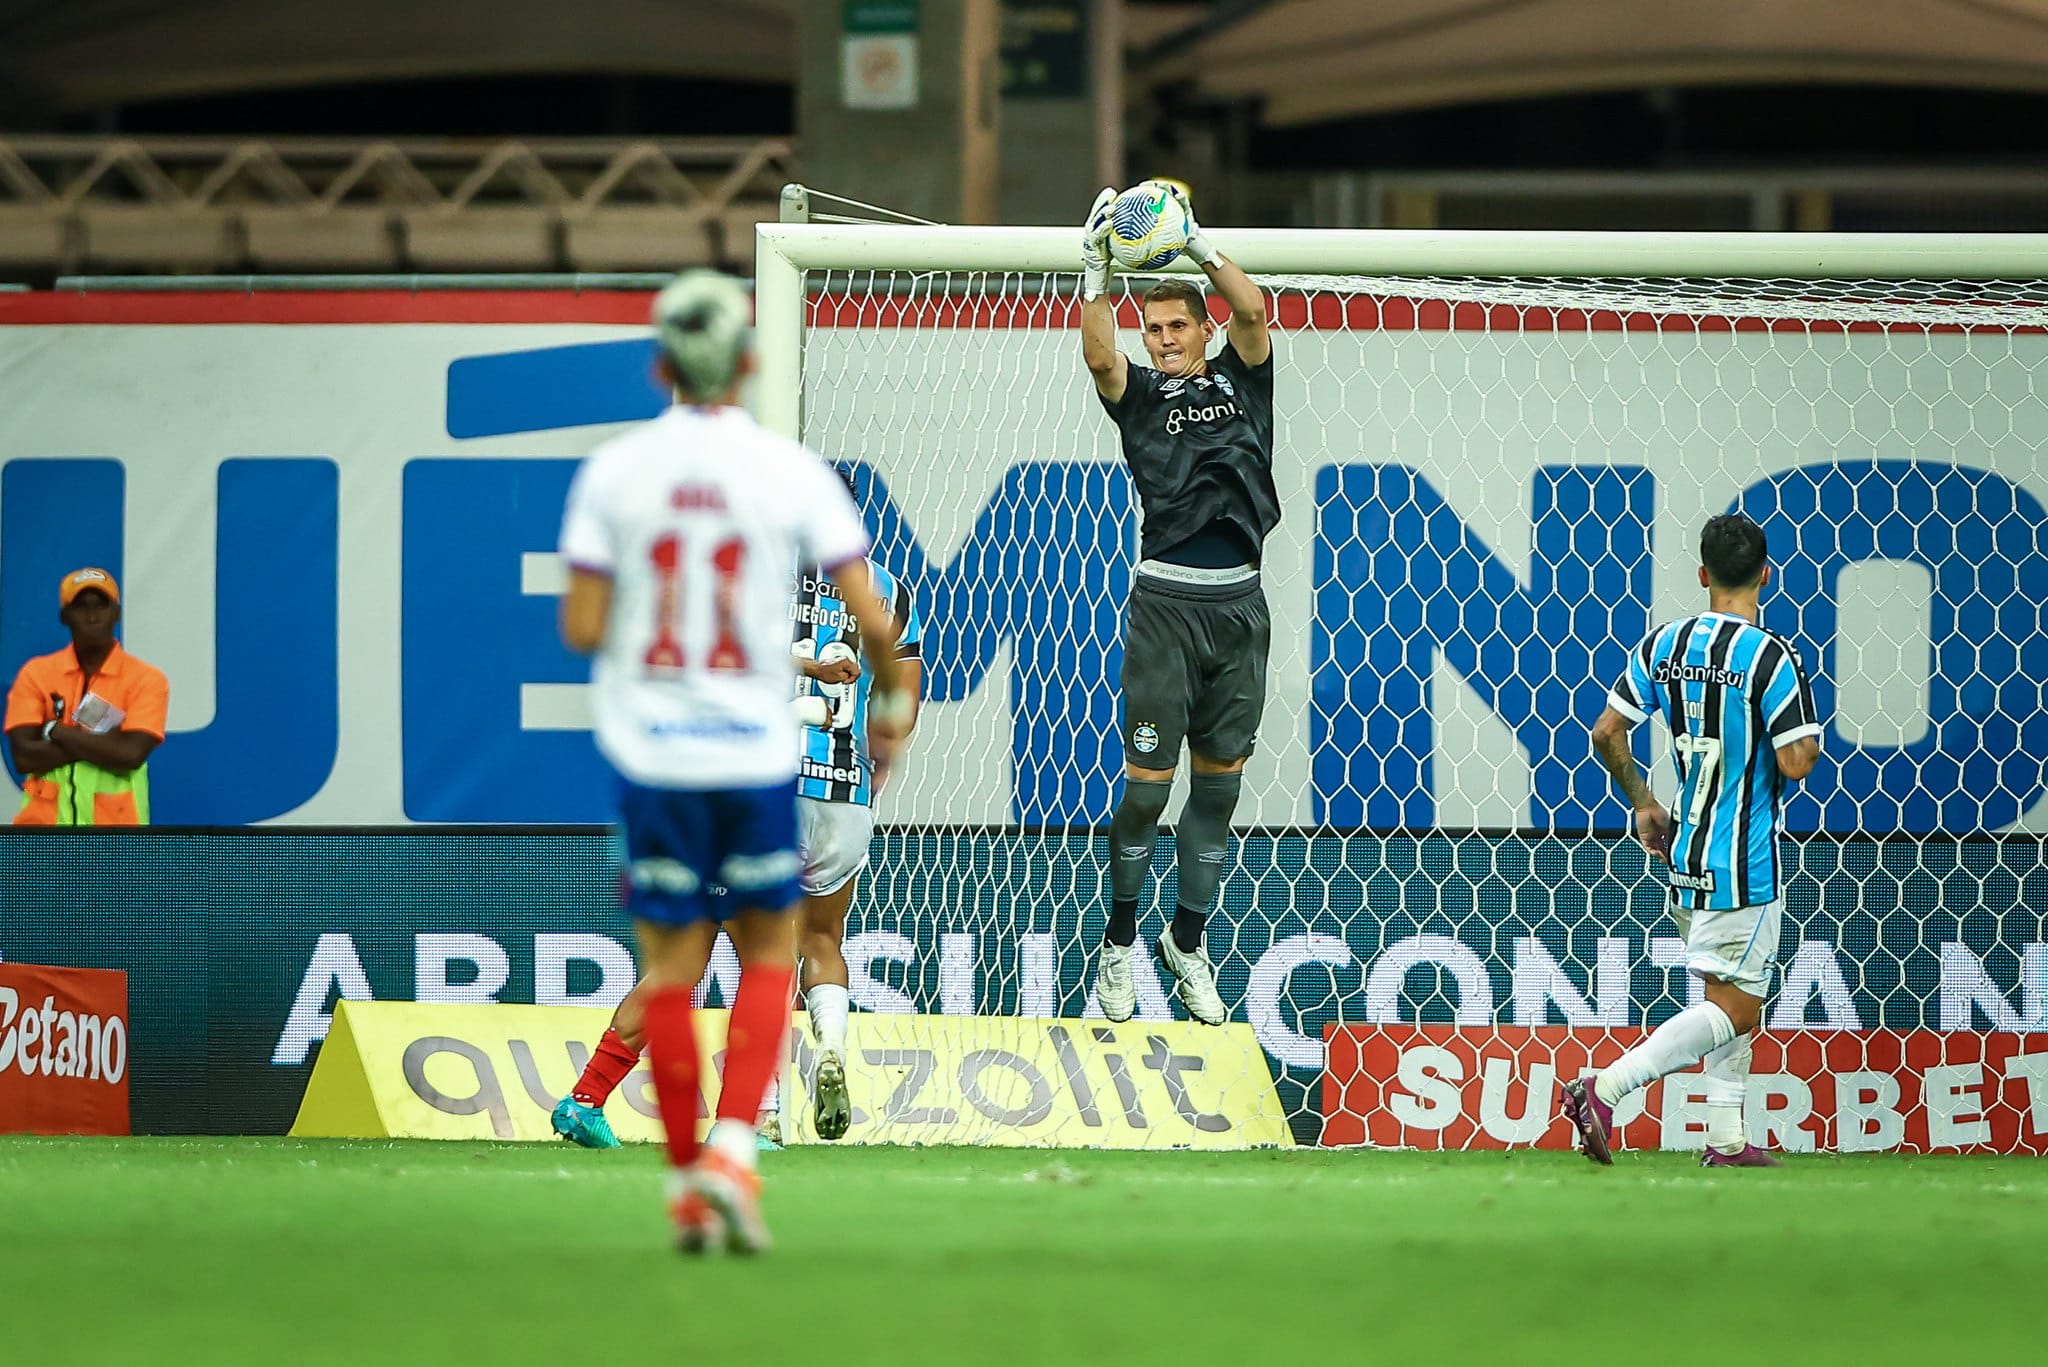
<point x="1733" y="549"/>
<point x="1187" y="292"/>
<point x="845" y="473"/>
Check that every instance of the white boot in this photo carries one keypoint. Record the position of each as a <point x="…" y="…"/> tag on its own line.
<point x="1196" y="987"/>
<point x="1114" y="992"/>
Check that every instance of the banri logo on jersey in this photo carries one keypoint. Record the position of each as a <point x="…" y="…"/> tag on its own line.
<point x="1179" y="418"/>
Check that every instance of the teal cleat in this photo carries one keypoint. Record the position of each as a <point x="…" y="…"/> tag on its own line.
<point x="581" y="1124"/>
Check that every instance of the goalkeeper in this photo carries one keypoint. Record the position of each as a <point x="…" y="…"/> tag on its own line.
<point x="1197" y="433"/>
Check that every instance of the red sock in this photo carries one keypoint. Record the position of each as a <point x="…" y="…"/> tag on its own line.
<point x="672" y="1053"/>
<point x="753" y="1041"/>
<point x="605" y="1071"/>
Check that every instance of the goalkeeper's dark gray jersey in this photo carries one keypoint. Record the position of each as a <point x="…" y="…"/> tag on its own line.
<point x="1200" y="450"/>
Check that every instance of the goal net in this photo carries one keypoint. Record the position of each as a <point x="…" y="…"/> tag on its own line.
<point x="1493" y="484"/>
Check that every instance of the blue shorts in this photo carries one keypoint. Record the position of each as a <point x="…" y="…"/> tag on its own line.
<point x="681" y="844"/>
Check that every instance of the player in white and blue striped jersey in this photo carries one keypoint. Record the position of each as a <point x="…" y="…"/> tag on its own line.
<point x="835" y="804"/>
<point x="1736" y="699"/>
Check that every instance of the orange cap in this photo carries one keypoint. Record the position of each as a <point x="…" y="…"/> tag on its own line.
<point x="78" y="581"/>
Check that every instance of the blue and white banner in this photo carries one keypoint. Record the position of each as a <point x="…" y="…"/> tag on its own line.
<point x="336" y="540"/>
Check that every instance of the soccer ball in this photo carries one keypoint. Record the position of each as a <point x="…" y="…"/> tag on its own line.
<point x="1147" y="228"/>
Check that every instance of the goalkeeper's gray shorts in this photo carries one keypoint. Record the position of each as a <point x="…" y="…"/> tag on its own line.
<point x="1194" y="670"/>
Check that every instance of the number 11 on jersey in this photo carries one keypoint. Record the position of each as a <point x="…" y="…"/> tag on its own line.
<point x="728" y="558"/>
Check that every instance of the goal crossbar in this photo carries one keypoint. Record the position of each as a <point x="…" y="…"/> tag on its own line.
<point x="785" y="251"/>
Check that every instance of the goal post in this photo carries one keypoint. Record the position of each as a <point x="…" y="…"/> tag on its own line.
<point x="1494" y="454"/>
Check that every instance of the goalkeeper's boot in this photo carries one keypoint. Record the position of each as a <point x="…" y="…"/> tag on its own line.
<point x="768" y="1132"/>
<point x="734" y="1192"/>
<point x="581" y="1124"/>
<point x="1592" y="1118"/>
<point x="699" y="1228"/>
<point x="1748" y="1156"/>
<point x="1113" y="990"/>
<point x="831" y="1108"/>
<point x="1196" y="975"/>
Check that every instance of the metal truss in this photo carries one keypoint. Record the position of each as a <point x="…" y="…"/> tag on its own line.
<point x="78" y="204"/>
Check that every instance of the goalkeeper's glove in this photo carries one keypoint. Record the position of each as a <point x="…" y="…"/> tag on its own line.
<point x="1095" y="263"/>
<point x="1199" y="249"/>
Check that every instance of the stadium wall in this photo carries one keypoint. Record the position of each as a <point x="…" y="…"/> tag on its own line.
<point x="333" y="518"/>
<point x="238" y="943"/>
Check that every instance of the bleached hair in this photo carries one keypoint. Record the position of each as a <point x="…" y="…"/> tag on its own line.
<point x="703" y="320"/>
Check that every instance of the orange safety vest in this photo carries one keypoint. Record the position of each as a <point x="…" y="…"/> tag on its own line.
<point x="83" y="794"/>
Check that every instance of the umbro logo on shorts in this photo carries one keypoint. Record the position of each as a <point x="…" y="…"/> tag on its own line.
<point x="662" y="875"/>
<point x="742" y="871"/>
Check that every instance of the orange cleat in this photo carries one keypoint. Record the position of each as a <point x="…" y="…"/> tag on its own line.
<point x="699" y="1227"/>
<point x="734" y="1194"/>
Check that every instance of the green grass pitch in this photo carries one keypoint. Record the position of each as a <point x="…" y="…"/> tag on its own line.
<point x="284" y="1251"/>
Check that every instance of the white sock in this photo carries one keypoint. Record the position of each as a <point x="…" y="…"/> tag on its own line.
<point x="1727" y="1087"/>
<point x="771" y="1101"/>
<point x="828" y="1004"/>
<point x="736" y="1141"/>
<point x="1686" y="1037"/>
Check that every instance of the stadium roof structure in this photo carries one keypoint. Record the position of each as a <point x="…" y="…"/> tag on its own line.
<point x="1313" y="60"/>
<point x="67" y="55"/>
<point x="1304" y="60"/>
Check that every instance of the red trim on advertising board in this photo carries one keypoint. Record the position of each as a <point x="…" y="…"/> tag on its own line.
<point x="1295" y="312"/>
<point x="323" y="306"/>
<point x="1292" y="312"/>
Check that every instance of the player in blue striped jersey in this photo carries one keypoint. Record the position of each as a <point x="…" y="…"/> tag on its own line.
<point x="834" y="767"/>
<point x="835" y="805"/>
<point x="1742" y="722"/>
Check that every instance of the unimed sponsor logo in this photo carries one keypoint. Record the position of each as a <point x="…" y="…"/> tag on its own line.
<point x="55" y="1041"/>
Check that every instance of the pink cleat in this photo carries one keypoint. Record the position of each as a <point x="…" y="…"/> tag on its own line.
<point x="1748" y="1156"/>
<point x="1592" y="1118"/>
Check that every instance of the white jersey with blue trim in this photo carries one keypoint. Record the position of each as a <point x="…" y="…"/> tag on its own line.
<point x="696" y="517"/>
<point x="835" y="765"/>
<point x="1732" y="694"/>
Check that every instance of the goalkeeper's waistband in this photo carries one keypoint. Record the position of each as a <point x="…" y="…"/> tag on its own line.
<point x="1193" y="574"/>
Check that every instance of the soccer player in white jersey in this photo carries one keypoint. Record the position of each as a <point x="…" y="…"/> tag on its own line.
<point x="680" y="537"/>
<point x="1742" y="725"/>
<point x="835" y="820"/>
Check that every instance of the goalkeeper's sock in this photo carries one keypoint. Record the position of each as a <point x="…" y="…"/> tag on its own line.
<point x="1123" y="923"/>
<point x="672" y="1054"/>
<point x="1133" y="831"/>
<point x="828" y="1004"/>
<point x="1727" y="1087"/>
<point x="1188" y="924"/>
<point x="754" y="1036"/>
<point x="607" y="1068"/>
<point x="1201" y="841"/>
<point x="1686" y="1037"/>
